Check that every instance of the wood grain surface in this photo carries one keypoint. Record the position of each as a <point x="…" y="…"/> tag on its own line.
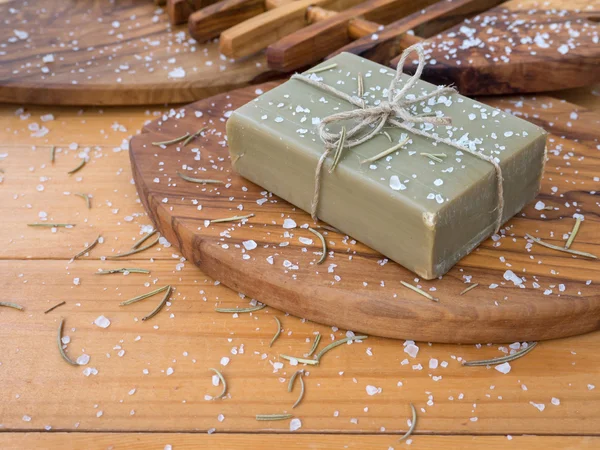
<point x="458" y="407"/>
<point x="78" y="52"/>
<point x="514" y="47"/>
<point x="358" y="288"/>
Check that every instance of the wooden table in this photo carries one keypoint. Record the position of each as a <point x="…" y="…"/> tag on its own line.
<point x="153" y="377"/>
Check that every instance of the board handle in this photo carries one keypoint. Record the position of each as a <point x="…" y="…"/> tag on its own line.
<point x="313" y="43"/>
<point x="401" y="34"/>
<point x="209" y="22"/>
<point x="179" y="11"/>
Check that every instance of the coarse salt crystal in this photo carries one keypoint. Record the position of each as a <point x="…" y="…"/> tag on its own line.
<point x="503" y="368"/>
<point x="102" y="322"/>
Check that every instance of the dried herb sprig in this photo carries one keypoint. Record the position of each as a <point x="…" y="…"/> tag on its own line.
<point x="360" y="90"/>
<point x="172" y="141"/>
<point x="144" y="239"/>
<point x="573" y="232"/>
<point x="198" y="180"/>
<point x="222" y="378"/>
<point x="232" y="219"/>
<point x="54" y="307"/>
<point x="122" y="270"/>
<point x="78" y="168"/>
<point x="52" y="154"/>
<point x="315" y="345"/>
<point x="301" y="396"/>
<point x="160" y="306"/>
<point x="51" y="225"/>
<point x="322" y="69"/>
<point x="337" y="344"/>
<point x="189" y="138"/>
<point x="311" y="362"/>
<point x="143" y="296"/>
<point x="87" y="249"/>
<point x="293" y="378"/>
<point x="433" y="157"/>
<point x="561" y="249"/>
<point x="323" y="244"/>
<point x="87" y="198"/>
<point x="135" y="250"/>
<point x="338" y="150"/>
<point x="240" y="310"/>
<point x="60" y="345"/>
<point x="473" y="286"/>
<point x="264" y="417"/>
<point x="277" y="333"/>
<point x="387" y="135"/>
<point x="501" y="359"/>
<point x="385" y="152"/>
<point x="12" y="305"/>
<point x="419" y="291"/>
<point x="413" y="423"/>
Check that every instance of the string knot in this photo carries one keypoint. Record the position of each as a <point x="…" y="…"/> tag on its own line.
<point x="395" y="111"/>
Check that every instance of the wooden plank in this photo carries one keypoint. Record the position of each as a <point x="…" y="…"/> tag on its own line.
<point x="142" y="441"/>
<point x="190" y="337"/>
<point x="109" y="53"/>
<point x="370" y="294"/>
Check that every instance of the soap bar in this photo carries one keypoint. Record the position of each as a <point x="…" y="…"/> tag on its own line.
<point x="425" y="212"/>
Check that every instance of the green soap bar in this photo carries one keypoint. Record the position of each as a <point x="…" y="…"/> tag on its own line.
<point x="424" y="214"/>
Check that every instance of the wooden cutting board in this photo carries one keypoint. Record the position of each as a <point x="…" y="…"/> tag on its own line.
<point x="357" y="288"/>
<point x="124" y="52"/>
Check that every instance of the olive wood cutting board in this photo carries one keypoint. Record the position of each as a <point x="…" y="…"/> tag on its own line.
<point x="79" y="52"/>
<point x="357" y="288"/>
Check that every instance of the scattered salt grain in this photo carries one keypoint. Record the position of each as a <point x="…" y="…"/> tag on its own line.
<point x="102" y="322"/>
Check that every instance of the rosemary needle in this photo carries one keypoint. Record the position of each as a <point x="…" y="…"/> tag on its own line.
<point x="322" y="69"/>
<point x="291" y="383"/>
<point x="338" y="343"/>
<point x="385" y="152"/>
<point x="501" y="359"/>
<point x="143" y="296"/>
<point x="192" y="136"/>
<point x="172" y="141"/>
<point x="144" y="239"/>
<point x="387" y="135"/>
<point x="222" y="378"/>
<point x="301" y="396"/>
<point x="561" y="249"/>
<point x="134" y="251"/>
<point x="419" y="291"/>
<point x="60" y="345"/>
<point x="273" y="416"/>
<point x="51" y="225"/>
<point x="323" y="243"/>
<point x="339" y="150"/>
<point x="312" y="362"/>
<point x="573" y="232"/>
<point x="240" y="310"/>
<point x="231" y="219"/>
<point x="12" y="305"/>
<point x="315" y="345"/>
<point x="88" y="248"/>
<point x="277" y="333"/>
<point x="78" y="168"/>
<point x="432" y="157"/>
<point x="361" y="86"/>
<point x="198" y="180"/>
<point x="52" y="154"/>
<point x="54" y="307"/>
<point x="122" y="270"/>
<point x="87" y="199"/>
<point x="413" y="423"/>
<point x="473" y="286"/>
<point x="156" y="310"/>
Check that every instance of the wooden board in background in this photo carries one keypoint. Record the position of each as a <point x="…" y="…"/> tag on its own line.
<point x="355" y="289"/>
<point x="109" y="53"/>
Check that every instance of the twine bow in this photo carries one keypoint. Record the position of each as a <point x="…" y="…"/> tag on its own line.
<point x="393" y="111"/>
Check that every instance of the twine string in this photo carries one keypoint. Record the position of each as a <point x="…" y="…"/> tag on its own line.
<point x="393" y="111"/>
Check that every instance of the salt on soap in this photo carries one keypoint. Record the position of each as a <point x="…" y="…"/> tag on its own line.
<point x="424" y="214"/>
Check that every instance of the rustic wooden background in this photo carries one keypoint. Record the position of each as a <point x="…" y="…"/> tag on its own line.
<point x="133" y="402"/>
